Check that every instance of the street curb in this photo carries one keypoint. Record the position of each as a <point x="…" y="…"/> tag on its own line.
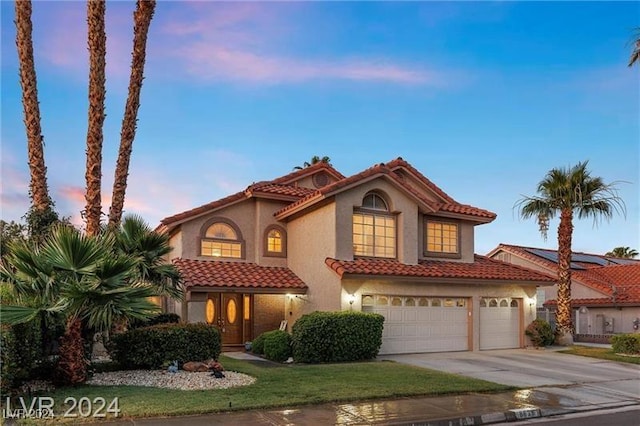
<point x="513" y="415"/>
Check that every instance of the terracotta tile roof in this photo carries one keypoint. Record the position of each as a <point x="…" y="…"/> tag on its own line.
<point x="626" y="295"/>
<point x="467" y="209"/>
<point x="203" y="208"/>
<point x="288" y="190"/>
<point x="298" y="174"/>
<point x="382" y="169"/>
<point x="401" y="163"/>
<point x="211" y="273"/>
<point x="482" y="268"/>
<point x="623" y="281"/>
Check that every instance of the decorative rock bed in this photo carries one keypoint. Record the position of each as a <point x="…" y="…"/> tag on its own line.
<point x="181" y="380"/>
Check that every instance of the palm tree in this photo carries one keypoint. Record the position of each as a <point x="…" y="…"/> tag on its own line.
<point x="79" y="277"/>
<point x="97" y="40"/>
<point x="635" y="54"/>
<point x="136" y="238"/>
<point x="566" y="191"/>
<point x="314" y="160"/>
<point x="41" y="214"/>
<point x="623" y="252"/>
<point x="142" y="20"/>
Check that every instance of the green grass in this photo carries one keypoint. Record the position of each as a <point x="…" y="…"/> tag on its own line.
<point x="285" y="385"/>
<point x="601" y="353"/>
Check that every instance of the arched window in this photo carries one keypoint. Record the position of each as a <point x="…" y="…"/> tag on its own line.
<point x="275" y="241"/>
<point x="374" y="229"/>
<point x="375" y="202"/>
<point x="221" y="238"/>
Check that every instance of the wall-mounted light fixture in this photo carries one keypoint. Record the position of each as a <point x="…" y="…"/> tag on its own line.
<point x="351" y="298"/>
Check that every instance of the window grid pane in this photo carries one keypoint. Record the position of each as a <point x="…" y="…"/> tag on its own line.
<point x="221" y="249"/>
<point x="274" y="242"/>
<point x="442" y="237"/>
<point x="374" y="235"/>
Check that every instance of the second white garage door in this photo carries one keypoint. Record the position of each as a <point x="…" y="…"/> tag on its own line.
<point x="499" y="323"/>
<point x="421" y="324"/>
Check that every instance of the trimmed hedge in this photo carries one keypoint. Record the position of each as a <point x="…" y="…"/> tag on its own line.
<point x="337" y="336"/>
<point x="20" y="354"/>
<point x="626" y="344"/>
<point x="151" y="347"/>
<point x="277" y="345"/>
<point x="163" y="318"/>
<point x="540" y="333"/>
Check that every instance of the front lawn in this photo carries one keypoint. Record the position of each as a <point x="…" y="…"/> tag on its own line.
<point x="601" y="353"/>
<point x="284" y="385"/>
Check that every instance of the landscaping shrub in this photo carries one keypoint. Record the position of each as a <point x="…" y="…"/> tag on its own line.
<point x="337" y="336"/>
<point x="150" y="347"/>
<point x="277" y="345"/>
<point x="626" y="344"/>
<point x="257" y="346"/>
<point x="20" y="354"/>
<point x="164" y="318"/>
<point x="540" y="333"/>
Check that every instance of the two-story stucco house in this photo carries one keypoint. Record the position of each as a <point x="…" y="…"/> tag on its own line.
<point x="385" y="240"/>
<point x="605" y="290"/>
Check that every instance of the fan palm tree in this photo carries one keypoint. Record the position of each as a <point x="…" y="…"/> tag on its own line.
<point x="97" y="40"/>
<point x="565" y="192"/>
<point x="41" y="214"/>
<point x="142" y="20"/>
<point x="314" y="160"/>
<point x="635" y="54"/>
<point x="136" y="238"/>
<point x="79" y="277"/>
<point x="623" y="252"/>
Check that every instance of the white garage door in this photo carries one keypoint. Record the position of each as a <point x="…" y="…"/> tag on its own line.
<point x="499" y="323"/>
<point x="420" y="324"/>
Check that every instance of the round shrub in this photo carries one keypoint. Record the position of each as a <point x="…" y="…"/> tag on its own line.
<point x="257" y="346"/>
<point x="540" y="333"/>
<point x="337" y="336"/>
<point x="626" y="344"/>
<point x="151" y="347"/>
<point x="277" y="345"/>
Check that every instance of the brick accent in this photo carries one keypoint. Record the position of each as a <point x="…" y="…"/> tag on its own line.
<point x="268" y="312"/>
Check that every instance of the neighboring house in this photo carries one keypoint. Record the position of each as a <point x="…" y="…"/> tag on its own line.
<point x="385" y="240"/>
<point x="605" y="290"/>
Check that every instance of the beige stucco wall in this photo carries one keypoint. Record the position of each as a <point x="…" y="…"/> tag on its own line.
<point x="312" y="238"/>
<point x="176" y="242"/>
<point x="622" y="319"/>
<point x="526" y="293"/>
<point x="242" y="214"/>
<point x="263" y="219"/>
<point x="406" y="225"/>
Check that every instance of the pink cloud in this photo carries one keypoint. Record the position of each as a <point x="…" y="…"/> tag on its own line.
<point x="210" y="62"/>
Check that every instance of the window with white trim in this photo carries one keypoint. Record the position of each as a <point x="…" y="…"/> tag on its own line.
<point x="221" y="240"/>
<point x="442" y="237"/>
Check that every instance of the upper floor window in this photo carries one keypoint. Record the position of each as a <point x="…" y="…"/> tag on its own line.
<point x="275" y="240"/>
<point x="374" y="228"/>
<point x="442" y="237"/>
<point x="221" y="240"/>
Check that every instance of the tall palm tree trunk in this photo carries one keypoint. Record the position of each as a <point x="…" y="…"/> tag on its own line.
<point x="564" y="323"/>
<point x="97" y="40"/>
<point x="38" y="188"/>
<point x="142" y="20"/>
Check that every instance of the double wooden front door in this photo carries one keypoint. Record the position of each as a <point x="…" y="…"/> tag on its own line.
<point x="231" y="313"/>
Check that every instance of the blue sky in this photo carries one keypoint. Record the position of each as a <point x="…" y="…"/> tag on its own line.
<point x="483" y="98"/>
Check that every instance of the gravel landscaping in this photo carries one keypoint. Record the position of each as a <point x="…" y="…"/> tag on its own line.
<point x="182" y="380"/>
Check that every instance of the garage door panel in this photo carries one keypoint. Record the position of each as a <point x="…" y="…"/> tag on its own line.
<point x="499" y="323"/>
<point x="420" y="324"/>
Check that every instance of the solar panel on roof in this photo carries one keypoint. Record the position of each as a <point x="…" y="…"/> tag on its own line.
<point x="552" y="256"/>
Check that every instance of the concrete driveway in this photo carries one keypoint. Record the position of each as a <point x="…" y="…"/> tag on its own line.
<point x="591" y="378"/>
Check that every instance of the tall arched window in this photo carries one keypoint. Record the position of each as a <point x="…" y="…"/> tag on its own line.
<point x="374" y="228"/>
<point x="275" y="241"/>
<point x="221" y="239"/>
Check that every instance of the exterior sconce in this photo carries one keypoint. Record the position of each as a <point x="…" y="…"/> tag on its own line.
<point x="351" y="298"/>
